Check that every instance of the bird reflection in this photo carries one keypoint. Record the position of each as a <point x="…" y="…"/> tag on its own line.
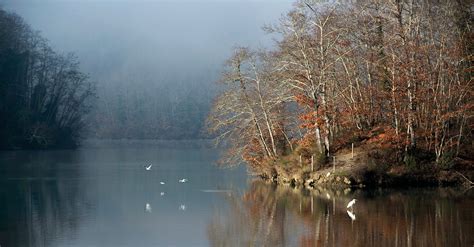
<point x="148" y="208"/>
<point x="351" y="215"/>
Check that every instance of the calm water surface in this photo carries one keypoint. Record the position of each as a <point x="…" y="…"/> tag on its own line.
<point x="104" y="197"/>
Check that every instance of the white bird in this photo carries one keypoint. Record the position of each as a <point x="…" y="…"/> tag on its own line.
<point x="327" y="174"/>
<point x="162" y="182"/>
<point x="162" y="193"/>
<point x="148" y="167"/>
<point x="351" y="203"/>
<point x="148" y="208"/>
<point x="183" y="180"/>
<point x="182" y="207"/>
<point x="351" y="215"/>
<point x="328" y="196"/>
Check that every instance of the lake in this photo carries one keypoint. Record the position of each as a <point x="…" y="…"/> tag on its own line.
<point x="103" y="196"/>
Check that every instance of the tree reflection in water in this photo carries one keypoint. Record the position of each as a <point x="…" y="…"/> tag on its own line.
<point x="268" y="215"/>
<point x="40" y="201"/>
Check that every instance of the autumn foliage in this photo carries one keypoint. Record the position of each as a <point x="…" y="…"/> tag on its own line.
<point x="398" y="72"/>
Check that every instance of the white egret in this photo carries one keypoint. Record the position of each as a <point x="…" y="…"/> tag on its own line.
<point x="162" y="193"/>
<point x="162" y="182"/>
<point x="182" y="207"/>
<point x="328" y="174"/>
<point x="328" y="196"/>
<point x="148" y="167"/>
<point x="351" y="203"/>
<point x="183" y="180"/>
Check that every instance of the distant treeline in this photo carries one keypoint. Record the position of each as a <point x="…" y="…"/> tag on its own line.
<point x="398" y="73"/>
<point x="43" y="95"/>
<point x="171" y="107"/>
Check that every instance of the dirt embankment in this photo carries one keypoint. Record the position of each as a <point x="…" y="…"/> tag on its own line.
<point x="368" y="166"/>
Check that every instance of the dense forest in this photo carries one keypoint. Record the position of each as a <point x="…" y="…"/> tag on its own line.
<point x="393" y="77"/>
<point x="43" y="95"/>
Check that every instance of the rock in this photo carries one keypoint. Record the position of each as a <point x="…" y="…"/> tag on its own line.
<point x="347" y="181"/>
<point x="338" y="179"/>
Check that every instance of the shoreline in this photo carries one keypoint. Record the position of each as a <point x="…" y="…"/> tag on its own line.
<point x="317" y="179"/>
<point x="365" y="168"/>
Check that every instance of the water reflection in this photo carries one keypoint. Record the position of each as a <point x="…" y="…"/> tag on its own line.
<point x="105" y="197"/>
<point x="267" y="215"/>
<point x="38" y="205"/>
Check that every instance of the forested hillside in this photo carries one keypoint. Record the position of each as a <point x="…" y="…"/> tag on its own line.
<point x="154" y="70"/>
<point x="43" y="95"/>
<point x="394" y="77"/>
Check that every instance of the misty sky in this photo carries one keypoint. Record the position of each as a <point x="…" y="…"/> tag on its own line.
<point x="117" y="38"/>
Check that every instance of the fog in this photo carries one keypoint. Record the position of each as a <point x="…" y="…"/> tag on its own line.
<point x="155" y="63"/>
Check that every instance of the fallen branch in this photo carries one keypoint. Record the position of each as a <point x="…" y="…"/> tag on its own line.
<point x="467" y="179"/>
